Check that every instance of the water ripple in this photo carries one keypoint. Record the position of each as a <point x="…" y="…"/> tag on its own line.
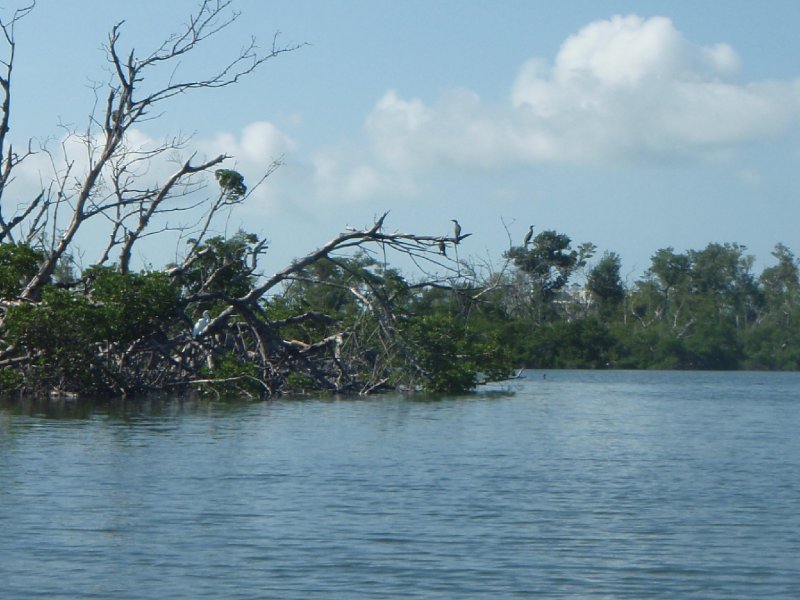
<point x="602" y="485"/>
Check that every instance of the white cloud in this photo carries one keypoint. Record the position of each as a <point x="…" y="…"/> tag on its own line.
<point x="252" y="152"/>
<point x="395" y="125"/>
<point x="342" y="174"/>
<point x="364" y="182"/>
<point x="259" y="143"/>
<point x="619" y="90"/>
<point x="622" y="51"/>
<point x="625" y="89"/>
<point x="460" y="130"/>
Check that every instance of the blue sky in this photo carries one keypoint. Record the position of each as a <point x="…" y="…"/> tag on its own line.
<point x="633" y="125"/>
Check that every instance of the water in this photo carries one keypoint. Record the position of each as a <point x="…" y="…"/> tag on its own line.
<point x="580" y="485"/>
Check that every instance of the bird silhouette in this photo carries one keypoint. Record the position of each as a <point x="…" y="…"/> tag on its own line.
<point x="528" y="237"/>
<point x="456" y="230"/>
<point x="442" y="248"/>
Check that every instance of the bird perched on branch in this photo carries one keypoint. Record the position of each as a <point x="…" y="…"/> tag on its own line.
<point x="456" y="230"/>
<point x="528" y="237"/>
<point x="201" y="324"/>
<point x="442" y="248"/>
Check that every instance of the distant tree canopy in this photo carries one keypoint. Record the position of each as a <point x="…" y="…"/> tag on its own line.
<point x="700" y="309"/>
<point x="605" y="283"/>
<point x="550" y="261"/>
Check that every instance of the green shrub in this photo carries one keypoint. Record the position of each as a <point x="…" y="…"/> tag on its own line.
<point x="18" y="264"/>
<point x="451" y="357"/>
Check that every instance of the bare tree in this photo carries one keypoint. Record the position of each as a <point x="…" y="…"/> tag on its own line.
<point x="10" y="158"/>
<point x="241" y="341"/>
<point x="109" y="188"/>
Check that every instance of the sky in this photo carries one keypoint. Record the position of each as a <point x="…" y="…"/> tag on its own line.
<point x="634" y="125"/>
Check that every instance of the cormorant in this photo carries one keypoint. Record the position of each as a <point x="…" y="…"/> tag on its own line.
<point x="528" y="237"/>
<point x="456" y="230"/>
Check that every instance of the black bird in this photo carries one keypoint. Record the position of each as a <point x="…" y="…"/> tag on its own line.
<point x="442" y="248"/>
<point x="456" y="230"/>
<point x="528" y="237"/>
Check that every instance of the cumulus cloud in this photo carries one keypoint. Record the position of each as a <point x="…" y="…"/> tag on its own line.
<point x="344" y="174"/>
<point x="460" y="130"/>
<point x="259" y="143"/>
<point x="621" y="89"/>
<point x="252" y="151"/>
<point x="626" y="89"/>
<point x="332" y="175"/>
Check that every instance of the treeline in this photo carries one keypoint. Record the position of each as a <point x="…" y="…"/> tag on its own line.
<point x="699" y="309"/>
<point x="352" y="324"/>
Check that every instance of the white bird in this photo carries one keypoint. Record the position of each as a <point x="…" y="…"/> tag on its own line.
<point x="201" y="324"/>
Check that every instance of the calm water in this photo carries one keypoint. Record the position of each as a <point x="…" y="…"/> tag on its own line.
<point x="580" y="485"/>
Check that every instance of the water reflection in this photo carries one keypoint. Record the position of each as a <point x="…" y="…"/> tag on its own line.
<point x="124" y="410"/>
<point x="48" y="408"/>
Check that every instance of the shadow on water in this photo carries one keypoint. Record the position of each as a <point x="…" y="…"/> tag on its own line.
<point x="48" y="408"/>
<point x="477" y="395"/>
<point x="116" y="409"/>
<point x="164" y="406"/>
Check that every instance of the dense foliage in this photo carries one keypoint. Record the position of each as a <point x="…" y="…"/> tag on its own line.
<point x="343" y="324"/>
<point x="352" y="324"/>
<point x="699" y="309"/>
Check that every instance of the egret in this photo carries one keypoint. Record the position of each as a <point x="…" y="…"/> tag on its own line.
<point x="201" y="324"/>
<point x="456" y="230"/>
<point x="528" y="237"/>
